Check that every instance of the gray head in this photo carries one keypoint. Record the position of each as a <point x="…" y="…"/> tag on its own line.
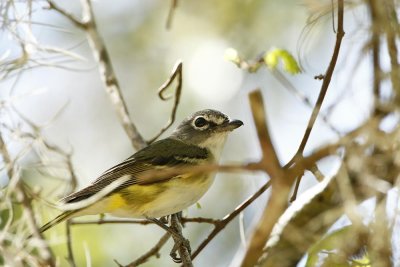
<point x="206" y="128"/>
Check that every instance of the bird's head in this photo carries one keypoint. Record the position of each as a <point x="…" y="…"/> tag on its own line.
<point x="207" y="129"/>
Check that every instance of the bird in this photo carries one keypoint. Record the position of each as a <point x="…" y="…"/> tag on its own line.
<point x="199" y="139"/>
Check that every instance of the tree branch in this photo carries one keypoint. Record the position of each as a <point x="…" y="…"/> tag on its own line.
<point x="280" y="184"/>
<point x="108" y="75"/>
<point x="374" y="8"/>
<point x="69" y="16"/>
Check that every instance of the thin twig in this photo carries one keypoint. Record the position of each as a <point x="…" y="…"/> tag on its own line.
<point x="153" y="252"/>
<point x="324" y="86"/>
<point x="374" y="8"/>
<point x="322" y="93"/>
<point x="70" y="255"/>
<point x="69" y="16"/>
<point x="104" y="221"/>
<point x="142" y="222"/>
<point x="73" y="179"/>
<point x="296" y="188"/>
<point x="176" y="72"/>
<point x="173" y="6"/>
<point x="391" y="27"/>
<point x="291" y="88"/>
<point x="200" y="220"/>
<point x="228" y="218"/>
<point x="304" y="163"/>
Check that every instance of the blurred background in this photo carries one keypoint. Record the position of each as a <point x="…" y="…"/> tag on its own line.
<point x="64" y="94"/>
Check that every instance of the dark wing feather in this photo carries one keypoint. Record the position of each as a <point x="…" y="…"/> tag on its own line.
<point x="165" y="153"/>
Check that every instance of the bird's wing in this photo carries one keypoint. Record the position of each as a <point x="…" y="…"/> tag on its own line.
<point x="162" y="154"/>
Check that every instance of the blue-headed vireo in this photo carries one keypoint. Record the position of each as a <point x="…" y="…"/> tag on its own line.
<point x="199" y="139"/>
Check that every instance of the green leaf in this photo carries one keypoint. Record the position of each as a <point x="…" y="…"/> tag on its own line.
<point x="198" y="205"/>
<point x="272" y="58"/>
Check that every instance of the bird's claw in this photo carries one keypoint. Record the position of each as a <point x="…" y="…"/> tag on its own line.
<point x="164" y="219"/>
<point x="183" y="241"/>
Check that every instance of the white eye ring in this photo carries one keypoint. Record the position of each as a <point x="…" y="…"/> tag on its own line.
<point x="200" y="123"/>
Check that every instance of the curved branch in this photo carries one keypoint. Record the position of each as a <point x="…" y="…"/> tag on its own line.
<point x="176" y="72"/>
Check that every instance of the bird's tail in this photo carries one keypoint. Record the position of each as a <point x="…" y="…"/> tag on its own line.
<point x="62" y="217"/>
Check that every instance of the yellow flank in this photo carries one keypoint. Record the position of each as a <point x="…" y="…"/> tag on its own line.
<point x="134" y="197"/>
<point x="156" y="200"/>
<point x="116" y="201"/>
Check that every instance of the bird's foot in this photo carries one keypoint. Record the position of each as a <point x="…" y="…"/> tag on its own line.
<point x="164" y="219"/>
<point x="182" y="241"/>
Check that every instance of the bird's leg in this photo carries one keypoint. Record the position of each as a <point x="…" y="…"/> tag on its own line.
<point x="164" y="219"/>
<point x="181" y="242"/>
<point x="179" y="215"/>
<point x="176" y="246"/>
<point x="177" y="237"/>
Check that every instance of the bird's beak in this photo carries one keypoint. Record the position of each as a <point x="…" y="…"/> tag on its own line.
<point x="233" y="124"/>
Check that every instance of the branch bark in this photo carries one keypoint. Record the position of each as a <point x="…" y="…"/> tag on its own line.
<point x="108" y="75"/>
<point x="280" y="184"/>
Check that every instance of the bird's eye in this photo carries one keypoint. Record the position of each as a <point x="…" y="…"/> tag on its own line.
<point x="200" y="122"/>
